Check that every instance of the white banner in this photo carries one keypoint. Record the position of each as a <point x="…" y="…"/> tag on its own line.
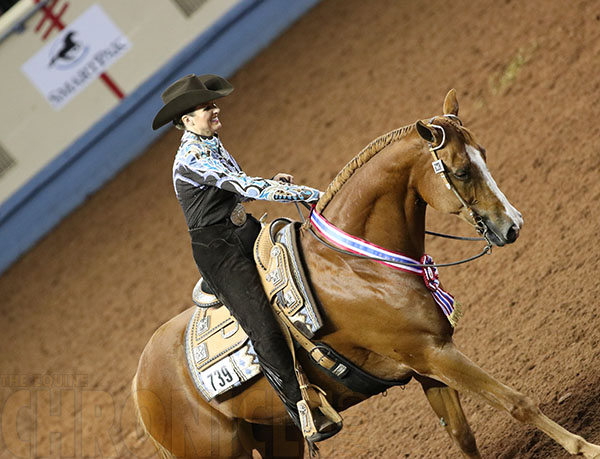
<point x="76" y="57"/>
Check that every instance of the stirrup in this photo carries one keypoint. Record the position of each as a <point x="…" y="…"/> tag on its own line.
<point x="316" y="428"/>
<point x="322" y="421"/>
<point x="328" y="421"/>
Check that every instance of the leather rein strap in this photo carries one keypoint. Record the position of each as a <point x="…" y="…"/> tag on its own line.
<point x="487" y="249"/>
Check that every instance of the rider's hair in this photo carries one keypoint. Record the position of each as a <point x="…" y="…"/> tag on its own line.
<point x="178" y="123"/>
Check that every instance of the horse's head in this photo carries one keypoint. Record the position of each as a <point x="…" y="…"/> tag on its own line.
<point x="460" y="182"/>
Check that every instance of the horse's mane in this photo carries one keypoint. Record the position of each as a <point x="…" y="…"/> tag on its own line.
<point x="359" y="160"/>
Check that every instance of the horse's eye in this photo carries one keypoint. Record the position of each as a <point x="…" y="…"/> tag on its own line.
<point x="462" y="174"/>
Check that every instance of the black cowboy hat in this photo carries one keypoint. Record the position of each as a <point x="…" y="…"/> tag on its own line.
<point x="187" y="93"/>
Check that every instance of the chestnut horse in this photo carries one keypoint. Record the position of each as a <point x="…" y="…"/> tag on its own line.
<point x="382" y="319"/>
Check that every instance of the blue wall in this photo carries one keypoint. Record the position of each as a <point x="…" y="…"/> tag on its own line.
<point x="91" y="160"/>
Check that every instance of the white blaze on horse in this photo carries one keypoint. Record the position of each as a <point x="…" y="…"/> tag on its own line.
<point x="381" y="196"/>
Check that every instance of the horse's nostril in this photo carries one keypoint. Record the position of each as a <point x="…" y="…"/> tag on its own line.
<point x="513" y="234"/>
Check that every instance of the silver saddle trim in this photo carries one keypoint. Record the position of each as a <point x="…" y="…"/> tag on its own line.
<point x="219" y="354"/>
<point x="308" y="314"/>
<point x="203" y="299"/>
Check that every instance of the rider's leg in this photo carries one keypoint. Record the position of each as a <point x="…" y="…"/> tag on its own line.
<point x="224" y="257"/>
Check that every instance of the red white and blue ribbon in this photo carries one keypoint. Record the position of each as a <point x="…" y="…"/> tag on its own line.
<point x="444" y="299"/>
<point x="353" y="244"/>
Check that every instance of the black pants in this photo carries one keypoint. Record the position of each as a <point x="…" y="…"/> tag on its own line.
<point x="223" y="253"/>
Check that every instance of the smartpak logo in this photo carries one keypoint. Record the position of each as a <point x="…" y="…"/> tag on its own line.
<point x="68" y="52"/>
<point x="78" y="55"/>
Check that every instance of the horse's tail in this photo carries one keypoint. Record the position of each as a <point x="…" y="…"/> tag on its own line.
<point x="163" y="452"/>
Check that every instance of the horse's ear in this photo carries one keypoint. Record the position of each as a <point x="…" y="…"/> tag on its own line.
<point x="425" y="132"/>
<point x="451" y="103"/>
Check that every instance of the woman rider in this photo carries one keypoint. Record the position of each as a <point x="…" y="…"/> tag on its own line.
<point x="210" y="186"/>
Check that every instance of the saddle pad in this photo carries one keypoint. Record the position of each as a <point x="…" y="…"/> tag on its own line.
<point x="218" y="352"/>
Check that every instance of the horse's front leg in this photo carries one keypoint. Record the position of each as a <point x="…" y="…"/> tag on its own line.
<point x="446" y="404"/>
<point x="447" y="364"/>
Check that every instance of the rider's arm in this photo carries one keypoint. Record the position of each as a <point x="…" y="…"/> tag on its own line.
<point x="205" y="169"/>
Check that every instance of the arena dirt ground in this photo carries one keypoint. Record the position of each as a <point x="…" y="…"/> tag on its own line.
<point x="86" y="299"/>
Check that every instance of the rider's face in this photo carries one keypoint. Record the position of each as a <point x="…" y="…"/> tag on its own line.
<point x="204" y="120"/>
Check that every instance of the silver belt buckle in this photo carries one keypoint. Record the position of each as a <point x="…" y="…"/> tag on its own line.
<point x="238" y="215"/>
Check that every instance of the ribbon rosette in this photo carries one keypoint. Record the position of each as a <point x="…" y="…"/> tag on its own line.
<point x="443" y="299"/>
<point x="431" y="275"/>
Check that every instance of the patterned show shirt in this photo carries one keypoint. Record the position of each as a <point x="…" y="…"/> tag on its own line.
<point x="209" y="182"/>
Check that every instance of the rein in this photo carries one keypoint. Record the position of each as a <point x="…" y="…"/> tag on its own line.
<point x="487" y="249"/>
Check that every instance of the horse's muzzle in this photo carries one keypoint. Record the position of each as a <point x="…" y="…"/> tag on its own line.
<point x="499" y="236"/>
<point x="513" y="234"/>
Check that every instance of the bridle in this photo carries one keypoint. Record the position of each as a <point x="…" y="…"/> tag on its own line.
<point x="440" y="168"/>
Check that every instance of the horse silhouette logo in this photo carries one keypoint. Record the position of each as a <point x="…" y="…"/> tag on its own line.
<point x="67" y="51"/>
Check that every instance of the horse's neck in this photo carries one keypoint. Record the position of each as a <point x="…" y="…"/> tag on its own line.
<point x="380" y="204"/>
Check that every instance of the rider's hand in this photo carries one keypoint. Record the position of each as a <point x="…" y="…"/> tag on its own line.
<point x="284" y="178"/>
